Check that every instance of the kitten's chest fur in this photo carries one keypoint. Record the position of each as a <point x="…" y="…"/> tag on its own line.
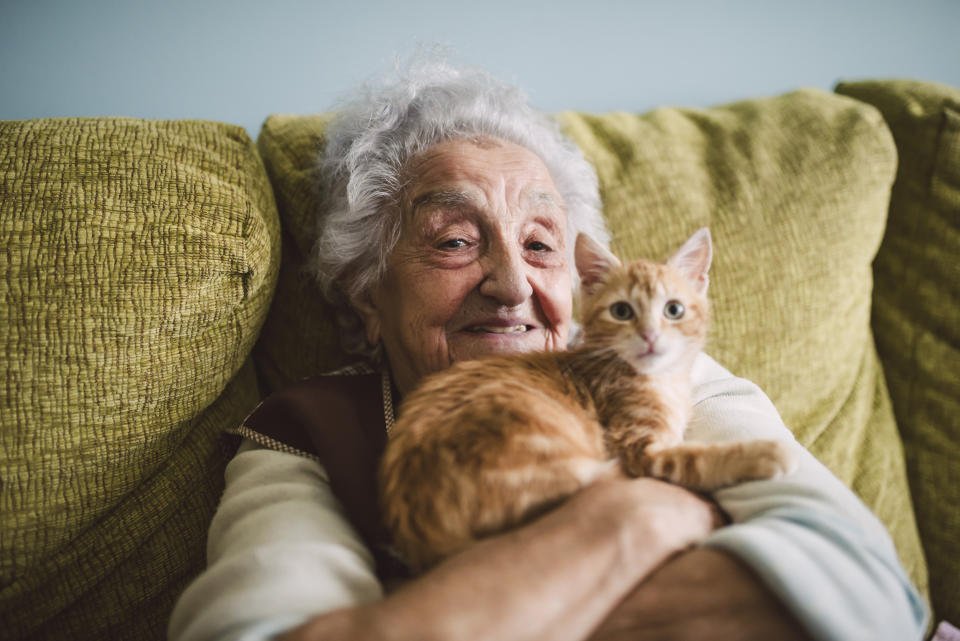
<point x="617" y="397"/>
<point x="492" y="443"/>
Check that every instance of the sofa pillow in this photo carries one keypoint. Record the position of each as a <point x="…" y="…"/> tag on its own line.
<point x="300" y="337"/>
<point x="795" y="190"/>
<point x="137" y="260"/>
<point x="916" y="311"/>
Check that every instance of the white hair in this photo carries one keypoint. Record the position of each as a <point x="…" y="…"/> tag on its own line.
<point x="376" y="131"/>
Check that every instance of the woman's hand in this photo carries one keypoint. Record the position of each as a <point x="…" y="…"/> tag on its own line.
<point x="554" y="579"/>
<point x="700" y="594"/>
<point x="667" y="514"/>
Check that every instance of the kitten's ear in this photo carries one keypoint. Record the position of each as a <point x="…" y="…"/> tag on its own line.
<point x="693" y="259"/>
<point x="593" y="261"/>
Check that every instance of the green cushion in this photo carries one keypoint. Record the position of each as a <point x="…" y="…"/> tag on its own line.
<point x="795" y="190"/>
<point x="300" y="337"/>
<point x="916" y="312"/>
<point x="137" y="259"/>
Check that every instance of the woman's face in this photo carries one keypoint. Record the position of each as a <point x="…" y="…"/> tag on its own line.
<point x="481" y="265"/>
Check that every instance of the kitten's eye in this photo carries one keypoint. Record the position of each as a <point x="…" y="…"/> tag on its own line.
<point x="674" y="310"/>
<point x="621" y="311"/>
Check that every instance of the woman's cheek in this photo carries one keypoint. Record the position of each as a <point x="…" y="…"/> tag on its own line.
<point x="453" y="286"/>
<point x="555" y="296"/>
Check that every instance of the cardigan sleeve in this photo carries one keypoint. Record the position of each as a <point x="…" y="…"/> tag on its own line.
<point x="807" y="536"/>
<point x="279" y="551"/>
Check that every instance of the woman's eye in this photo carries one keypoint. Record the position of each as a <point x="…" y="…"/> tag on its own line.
<point x="537" y="246"/>
<point x="674" y="310"/>
<point x="453" y="243"/>
<point x="621" y="311"/>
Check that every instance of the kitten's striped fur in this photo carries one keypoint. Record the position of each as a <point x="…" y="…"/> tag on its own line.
<point x="490" y="443"/>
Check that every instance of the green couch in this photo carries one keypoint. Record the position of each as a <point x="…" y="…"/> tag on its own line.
<point x="154" y="291"/>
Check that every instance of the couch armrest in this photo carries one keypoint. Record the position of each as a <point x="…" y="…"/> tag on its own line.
<point x="137" y="263"/>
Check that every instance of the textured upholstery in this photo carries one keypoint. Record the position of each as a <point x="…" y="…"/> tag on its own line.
<point x="138" y="258"/>
<point x="916" y="309"/>
<point x="300" y="337"/>
<point x="795" y="190"/>
<point x="137" y="261"/>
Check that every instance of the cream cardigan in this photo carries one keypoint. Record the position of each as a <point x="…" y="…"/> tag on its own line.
<point x="280" y="550"/>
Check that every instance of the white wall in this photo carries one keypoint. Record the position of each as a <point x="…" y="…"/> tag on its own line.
<point x="240" y="61"/>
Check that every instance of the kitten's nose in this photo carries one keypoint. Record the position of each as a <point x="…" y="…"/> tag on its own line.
<point x="650" y="336"/>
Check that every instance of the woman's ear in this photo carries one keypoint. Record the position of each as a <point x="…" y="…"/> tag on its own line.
<point x="369" y="313"/>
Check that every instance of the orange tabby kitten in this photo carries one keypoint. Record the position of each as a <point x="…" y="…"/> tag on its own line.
<point x="487" y="444"/>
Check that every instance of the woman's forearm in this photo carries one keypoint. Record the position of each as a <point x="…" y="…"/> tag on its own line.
<point x="556" y="578"/>
<point x="700" y="594"/>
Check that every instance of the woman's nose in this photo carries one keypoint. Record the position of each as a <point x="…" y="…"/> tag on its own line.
<point x="505" y="277"/>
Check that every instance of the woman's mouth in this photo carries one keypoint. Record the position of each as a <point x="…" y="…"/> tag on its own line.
<point x="497" y="336"/>
<point x="500" y="329"/>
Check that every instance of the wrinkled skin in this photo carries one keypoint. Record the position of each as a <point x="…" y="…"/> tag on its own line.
<point x="481" y="265"/>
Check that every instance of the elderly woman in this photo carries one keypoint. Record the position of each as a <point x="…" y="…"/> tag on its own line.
<point x="447" y="235"/>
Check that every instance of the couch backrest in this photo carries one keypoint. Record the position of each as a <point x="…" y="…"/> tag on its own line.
<point x="916" y="311"/>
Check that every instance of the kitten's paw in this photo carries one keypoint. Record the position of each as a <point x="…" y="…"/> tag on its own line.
<point x="770" y="459"/>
